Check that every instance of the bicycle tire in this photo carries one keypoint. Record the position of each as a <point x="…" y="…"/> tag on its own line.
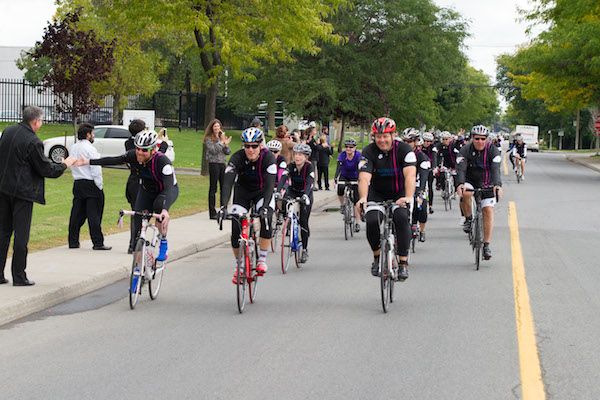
<point x="351" y="218"/>
<point x="345" y="225"/>
<point x="298" y="254"/>
<point x="136" y="276"/>
<point x="384" y="275"/>
<point x="241" y="279"/>
<point x="478" y="242"/>
<point x="253" y="274"/>
<point x="286" y="245"/>
<point x="155" y="283"/>
<point x="275" y="233"/>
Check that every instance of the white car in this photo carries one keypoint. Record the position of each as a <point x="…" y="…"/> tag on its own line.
<point x="109" y="141"/>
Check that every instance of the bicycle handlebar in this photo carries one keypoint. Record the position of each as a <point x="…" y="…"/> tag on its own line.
<point x="143" y="214"/>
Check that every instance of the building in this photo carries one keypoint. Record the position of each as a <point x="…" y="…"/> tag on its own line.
<point x="8" y="64"/>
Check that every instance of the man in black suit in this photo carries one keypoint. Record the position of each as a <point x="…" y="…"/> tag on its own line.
<point x="23" y="167"/>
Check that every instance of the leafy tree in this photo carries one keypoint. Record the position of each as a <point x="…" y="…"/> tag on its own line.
<point x="76" y="59"/>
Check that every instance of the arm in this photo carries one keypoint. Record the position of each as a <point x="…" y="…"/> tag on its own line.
<point x="338" y="169"/>
<point x="310" y="180"/>
<point x="42" y="164"/>
<point x="364" y="180"/>
<point x="128" y="157"/>
<point x="461" y="169"/>
<point x="495" y="167"/>
<point x="95" y="170"/>
<point x="231" y="172"/>
<point x="424" y="168"/>
<point x="168" y="179"/>
<point x="270" y="174"/>
<point x="410" y="180"/>
<point x="283" y="180"/>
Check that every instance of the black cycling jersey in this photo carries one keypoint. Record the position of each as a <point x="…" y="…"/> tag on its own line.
<point x="423" y="168"/>
<point x="479" y="168"/>
<point x="431" y="152"/>
<point x="520" y="149"/>
<point x="446" y="156"/>
<point x="387" y="182"/>
<point x="298" y="181"/>
<point x="255" y="178"/>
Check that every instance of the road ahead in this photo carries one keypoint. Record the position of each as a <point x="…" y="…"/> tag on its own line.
<point x="319" y="332"/>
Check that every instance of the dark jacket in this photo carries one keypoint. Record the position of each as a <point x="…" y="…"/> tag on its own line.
<point x="325" y="154"/>
<point x="23" y="165"/>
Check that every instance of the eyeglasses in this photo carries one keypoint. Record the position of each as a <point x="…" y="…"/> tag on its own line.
<point x="350" y="147"/>
<point x="479" y="139"/>
<point x="142" y="150"/>
<point x="251" y="146"/>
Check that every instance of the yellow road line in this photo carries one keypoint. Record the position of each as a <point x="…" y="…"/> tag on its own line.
<point x="532" y="385"/>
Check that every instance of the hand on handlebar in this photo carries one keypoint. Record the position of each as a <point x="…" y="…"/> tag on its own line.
<point x="460" y="189"/>
<point x="164" y="219"/>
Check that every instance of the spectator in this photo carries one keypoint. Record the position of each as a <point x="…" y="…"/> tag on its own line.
<point x="287" y="145"/>
<point x="133" y="182"/>
<point x="325" y="152"/>
<point x="256" y="123"/>
<point x="88" y="197"/>
<point x="217" y="147"/>
<point x="325" y="131"/>
<point x="309" y="137"/>
<point x="23" y="167"/>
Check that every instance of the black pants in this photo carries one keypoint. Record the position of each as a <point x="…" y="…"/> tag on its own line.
<point x="419" y="214"/>
<point x="402" y="225"/>
<point x="131" y="191"/>
<point x="324" y="173"/>
<point x="88" y="203"/>
<point x="15" y="216"/>
<point x="217" y="174"/>
<point x="430" y="184"/>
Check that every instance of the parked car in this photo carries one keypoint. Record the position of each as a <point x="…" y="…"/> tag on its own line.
<point x="109" y="141"/>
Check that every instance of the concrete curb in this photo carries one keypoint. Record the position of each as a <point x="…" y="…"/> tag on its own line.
<point x="51" y="296"/>
<point x="581" y="161"/>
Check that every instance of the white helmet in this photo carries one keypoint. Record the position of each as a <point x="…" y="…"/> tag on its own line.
<point x="446" y="135"/>
<point x="428" y="136"/>
<point x="145" y="139"/>
<point x="274" y="145"/>
<point x="480" y="130"/>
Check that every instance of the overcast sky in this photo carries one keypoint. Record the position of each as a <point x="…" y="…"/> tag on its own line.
<point x="493" y="26"/>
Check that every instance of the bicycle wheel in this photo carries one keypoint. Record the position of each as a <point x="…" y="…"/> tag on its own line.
<point x="351" y="219"/>
<point x="155" y="283"/>
<point x="384" y="274"/>
<point x="137" y="268"/>
<point x="275" y="233"/>
<point x="477" y="240"/>
<point x="253" y="281"/>
<point x="286" y="245"/>
<point x="518" y="173"/>
<point x="241" y="278"/>
<point x="298" y="254"/>
<point x="346" y="223"/>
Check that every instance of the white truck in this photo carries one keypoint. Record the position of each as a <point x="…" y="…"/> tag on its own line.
<point x="530" y="136"/>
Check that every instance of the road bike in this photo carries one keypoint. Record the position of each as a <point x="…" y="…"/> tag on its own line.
<point x="145" y="267"/>
<point x="388" y="259"/>
<point x="291" y="243"/>
<point x="519" y="168"/>
<point x="246" y="274"/>
<point x="476" y="231"/>
<point x="278" y="218"/>
<point x="349" y="218"/>
<point x="447" y="194"/>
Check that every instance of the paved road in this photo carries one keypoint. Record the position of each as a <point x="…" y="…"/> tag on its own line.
<point x="319" y="333"/>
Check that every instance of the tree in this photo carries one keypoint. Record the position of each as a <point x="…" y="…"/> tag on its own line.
<point x="76" y="59"/>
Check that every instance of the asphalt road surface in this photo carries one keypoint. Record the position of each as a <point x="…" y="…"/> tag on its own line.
<point x="319" y="332"/>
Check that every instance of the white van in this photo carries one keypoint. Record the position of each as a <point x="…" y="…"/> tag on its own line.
<point x="530" y="136"/>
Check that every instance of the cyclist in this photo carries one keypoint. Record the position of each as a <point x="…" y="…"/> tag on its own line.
<point x="519" y="153"/>
<point x="419" y="215"/>
<point x="511" y="158"/>
<point x="347" y="171"/>
<point x="387" y="171"/>
<point x="158" y="183"/>
<point x="479" y="167"/>
<point x="255" y="169"/>
<point x="446" y="157"/>
<point x="431" y="151"/>
<point x="275" y="147"/>
<point x="301" y="177"/>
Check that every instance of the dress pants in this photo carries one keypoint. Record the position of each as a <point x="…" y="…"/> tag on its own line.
<point x="217" y="175"/>
<point x="88" y="203"/>
<point x="15" y="217"/>
<point x="131" y="192"/>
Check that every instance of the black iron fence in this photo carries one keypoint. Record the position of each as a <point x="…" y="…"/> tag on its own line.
<point x="172" y="109"/>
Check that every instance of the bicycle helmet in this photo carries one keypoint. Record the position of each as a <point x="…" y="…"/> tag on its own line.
<point x="302" y="148"/>
<point x="383" y="125"/>
<point x="252" y="135"/>
<point x="274" y="145"/>
<point x="350" y="142"/>
<point x="410" y="134"/>
<point x="518" y="137"/>
<point x="145" y="139"/>
<point x="419" y="141"/>
<point x="446" y="135"/>
<point x="428" y="137"/>
<point x="480" y="130"/>
<point x="493" y="136"/>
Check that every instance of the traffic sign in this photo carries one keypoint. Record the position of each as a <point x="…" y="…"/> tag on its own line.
<point x="561" y="133"/>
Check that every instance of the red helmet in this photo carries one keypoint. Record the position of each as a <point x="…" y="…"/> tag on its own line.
<point x="383" y="125"/>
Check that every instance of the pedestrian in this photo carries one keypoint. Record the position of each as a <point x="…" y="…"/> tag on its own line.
<point x="256" y="123"/>
<point x="88" y="196"/>
<point x="287" y="145"/>
<point x="23" y="167"/>
<point x="216" y="144"/>
<point x="325" y="152"/>
<point x="310" y="140"/>
<point x="133" y="182"/>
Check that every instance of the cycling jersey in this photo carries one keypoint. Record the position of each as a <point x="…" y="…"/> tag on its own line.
<point x="520" y="149"/>
<point x="479" y="168"/>
<point x="446" y="156"/>
<point x="431" y="152"/>
<point x="347" y="170"/>
<point x="281" y="167"/>
<point x="386" y="167"/>
<point x="423" y="168"/>
<point x="300" y="184"/>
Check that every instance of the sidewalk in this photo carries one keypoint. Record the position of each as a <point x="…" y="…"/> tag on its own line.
<point x="587" y="160"/>
<point x="62" y="274"/>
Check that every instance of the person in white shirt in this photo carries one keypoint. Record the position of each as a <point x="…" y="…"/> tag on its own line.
<point x="88" y="196"/>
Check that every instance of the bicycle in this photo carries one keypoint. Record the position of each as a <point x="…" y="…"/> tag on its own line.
<point x="447" y="191"/>
<point x="476" y="232"/>
<point x="388" y="259"/>
<point x="144" y="257"/>
<point x="278" y="217"/>
<point x="290" y="235"/>
<point x="349" y="218"/>
<point x="247" y="276"/>
<point x="415" y="227"/>
<point x="519" y="168"/>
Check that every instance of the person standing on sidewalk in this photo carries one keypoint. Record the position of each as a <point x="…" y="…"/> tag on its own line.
<point x="88" y="197"/>
<point x="217" y="147"/>
<point x="23" y="167"/>
<point x="325" y="152"/>
<point x="311" y="141"/>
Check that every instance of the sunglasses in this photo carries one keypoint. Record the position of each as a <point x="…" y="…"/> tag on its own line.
<point x="479" y="139"/>
<point x="428" y="141"/>
<point x="274" y="151"/>
<point x="350" y="147"/>
<point x="142" y="150"/>
<point x="251" y="146"/>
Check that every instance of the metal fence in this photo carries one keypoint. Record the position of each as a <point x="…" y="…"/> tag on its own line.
<point x="172" y="109"/>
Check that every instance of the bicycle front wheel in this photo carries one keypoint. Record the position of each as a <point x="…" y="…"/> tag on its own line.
<point x="251" y="274"/>
<point x="477" y="241"/>
<point x="384" y="274"/>
<point x="286" y="245"/>
<point x="137" y="269"/>
<point x="241" y="284"/>
<point x="351" y="220"/>
<point x="155" y="283"/>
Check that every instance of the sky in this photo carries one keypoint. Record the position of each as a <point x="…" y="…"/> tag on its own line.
<point x="493" y="26"/>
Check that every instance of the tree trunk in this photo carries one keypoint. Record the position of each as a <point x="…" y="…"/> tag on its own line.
<point x="271" y="116"/>
<point x="210" y="109"/>
<point x="342" y="132"/>
<point x="577" y="129"/>
<point x="116" y="108"/>
<point x="74" y="119"/>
